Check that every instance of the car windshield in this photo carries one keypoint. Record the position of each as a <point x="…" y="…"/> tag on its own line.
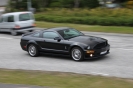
<point x="69" y="33"/>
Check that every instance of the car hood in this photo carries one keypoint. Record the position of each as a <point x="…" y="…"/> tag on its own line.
<point x="88" y="40"/>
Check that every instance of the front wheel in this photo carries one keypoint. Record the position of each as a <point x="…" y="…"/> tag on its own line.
<point x="32" y="50"/>
<point x="77" y="54"/>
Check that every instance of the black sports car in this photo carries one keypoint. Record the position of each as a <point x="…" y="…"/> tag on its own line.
<point x="65" y="41"/>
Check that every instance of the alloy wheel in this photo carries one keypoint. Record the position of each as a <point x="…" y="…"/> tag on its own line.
<point x="32" y="50"/>
<point x="77" y="54"/>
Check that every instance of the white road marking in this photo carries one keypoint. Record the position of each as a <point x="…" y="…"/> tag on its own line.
<point x="102" y="74"/>
<point x="5" y="38"/>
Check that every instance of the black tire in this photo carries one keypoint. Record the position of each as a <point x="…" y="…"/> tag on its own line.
<point x="77" y="54"/>
<point x="33" y="50"/>
<point x="31" y="30"/>
<point x="13" y="33"/>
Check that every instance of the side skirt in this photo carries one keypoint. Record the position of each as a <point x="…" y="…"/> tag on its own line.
<point x="55" y="54"/>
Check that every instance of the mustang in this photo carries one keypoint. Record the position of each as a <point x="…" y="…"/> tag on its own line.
<point x="65" y="41"/>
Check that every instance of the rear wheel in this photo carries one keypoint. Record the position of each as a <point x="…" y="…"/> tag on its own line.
<point x="77" y="54"/>
<point x="32" y="50"/>
<point x="31" y="30"/>
<point x="14" y="33"/>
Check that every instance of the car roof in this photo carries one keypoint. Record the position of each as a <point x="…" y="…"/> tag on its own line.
<point x="15" y="13"/>
<point x="57" y="29"/>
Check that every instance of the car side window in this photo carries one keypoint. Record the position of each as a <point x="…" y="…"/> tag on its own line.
<point x="1" y="19"/>
<point x="50" y="35"/>
<point x="10" y="19"/>
<point x="69" y="32"/>
<point x="24" y="17"/>
<point x="36" y="35"/>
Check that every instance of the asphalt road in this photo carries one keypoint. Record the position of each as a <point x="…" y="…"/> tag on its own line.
<point x="118" y="63"/>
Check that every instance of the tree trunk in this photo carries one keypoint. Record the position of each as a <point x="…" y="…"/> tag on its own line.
<point x="104" y="2"/>
<point x="76" y="3"/>
<point x="17" y="4"/>
<point x="45" y="3"/>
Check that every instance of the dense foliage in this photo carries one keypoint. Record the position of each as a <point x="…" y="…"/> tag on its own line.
<point x="129" y="4"/>
<point x="40" y="4"/>
<point x="78" y="11"/>
<point x="99" y="16"/>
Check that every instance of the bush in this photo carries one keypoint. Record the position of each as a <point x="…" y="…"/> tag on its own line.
<point x="130" y="3"/>
<point x="99" y="16"/>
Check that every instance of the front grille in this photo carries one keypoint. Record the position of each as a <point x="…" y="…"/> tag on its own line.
<point x="101" y="45"/>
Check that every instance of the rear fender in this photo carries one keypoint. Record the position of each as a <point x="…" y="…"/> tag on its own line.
<point x="33" y="42"/>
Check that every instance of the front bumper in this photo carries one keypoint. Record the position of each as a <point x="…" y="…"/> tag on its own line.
<point x="98" y="52"/>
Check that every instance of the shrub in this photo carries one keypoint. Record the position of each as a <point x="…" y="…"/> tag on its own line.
<point x="130" y="3"/>
<point x="99" y="16"/>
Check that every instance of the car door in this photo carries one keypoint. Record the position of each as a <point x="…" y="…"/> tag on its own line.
<point x="9" y="23"/>
<point x="50" y="43"/>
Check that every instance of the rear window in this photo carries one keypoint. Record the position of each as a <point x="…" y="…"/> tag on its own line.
<point x="25" y="17"/>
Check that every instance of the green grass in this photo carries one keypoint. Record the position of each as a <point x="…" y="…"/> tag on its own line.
<point x="62" y="80"/>
<point x="108" y="29"/>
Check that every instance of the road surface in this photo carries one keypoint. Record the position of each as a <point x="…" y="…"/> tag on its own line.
<point x="118" y="63"/>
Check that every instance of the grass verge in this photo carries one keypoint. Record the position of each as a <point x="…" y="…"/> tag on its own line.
<point x="108" y="29"/>
<point x="62" y="80"/>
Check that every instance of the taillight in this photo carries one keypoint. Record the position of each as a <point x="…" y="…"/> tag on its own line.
<point x="33" y="24"/>
<point x="17" y="26"/>
<point x="25" y="47"/>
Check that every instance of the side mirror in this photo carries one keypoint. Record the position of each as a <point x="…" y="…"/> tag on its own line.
<point x="57" y="38"/>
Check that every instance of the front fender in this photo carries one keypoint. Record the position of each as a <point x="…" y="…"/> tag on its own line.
<point x="81" y="45"/>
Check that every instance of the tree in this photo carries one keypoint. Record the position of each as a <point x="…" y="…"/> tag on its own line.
<point x="76" y="3"/>
<point x="45" y="3"/>
<point x="89" y="3"/>
<point x="40" y="4"/>
<point x="104" y="2"/>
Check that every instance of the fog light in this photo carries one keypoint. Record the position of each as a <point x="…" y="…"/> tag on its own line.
<point x="90" y="51"/>
<point x="91" y="55"/>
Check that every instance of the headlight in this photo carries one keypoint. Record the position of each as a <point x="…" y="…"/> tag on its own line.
<point x="88" y="47"/>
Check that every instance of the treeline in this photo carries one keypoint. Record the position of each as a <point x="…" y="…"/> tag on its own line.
<point x="63" y="11"/>
<point x="39" y="4"/>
